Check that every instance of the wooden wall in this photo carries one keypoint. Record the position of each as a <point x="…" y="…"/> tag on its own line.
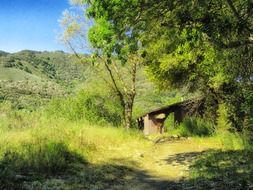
<point x="152" y="125"/>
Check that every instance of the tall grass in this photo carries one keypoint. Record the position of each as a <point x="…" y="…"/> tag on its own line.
<point x="94" y="107"/>
<point x="34" y="146"/>
<point x="195" y="127"/>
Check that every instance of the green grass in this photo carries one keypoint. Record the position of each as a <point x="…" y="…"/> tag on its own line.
<point x="191" y="127"/>
<point x="57" y="148"/>
<point x="15" y="74"/>
<point x="230" y="169"/>
<point x="43" y="75"/>
<point x="40" y="152"/>
<point x="35" y="149"/>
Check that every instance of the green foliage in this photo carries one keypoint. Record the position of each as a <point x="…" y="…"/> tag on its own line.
<point x="233" y="167"/>
<point x="198" y="55"/>
<point x="239" y="103"/>
<point x="233" y="141"/>
<point x="29" y="94"/>
<point x="90" y="106"/>
<point x="9" y="64"/>
<point x="100" y="34"/>
<point x="169" y="123"/>
<point x="30" y="79"/>
<point x="54" y="66"/>
<point x="195" y="127"/>
<point x="37" y="160"/>
<point x="47" y="149"/>
<point x="114" y="44"/>
<point x="202" y="46"/>
<point x="223" y="122"/>
<point x="11" y="118"/>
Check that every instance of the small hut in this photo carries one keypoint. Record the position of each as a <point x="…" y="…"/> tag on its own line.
<point x="153" y="121"/>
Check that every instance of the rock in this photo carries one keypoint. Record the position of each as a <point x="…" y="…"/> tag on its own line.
<point x="175" y="136"/>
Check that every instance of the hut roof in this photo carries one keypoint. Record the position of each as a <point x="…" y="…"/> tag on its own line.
<point x="169" y="108"/>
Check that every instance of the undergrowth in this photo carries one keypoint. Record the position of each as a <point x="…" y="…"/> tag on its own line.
<point x="194" y="127"/>
<point x="41" y="152"/>
<point x="35" y="147"/>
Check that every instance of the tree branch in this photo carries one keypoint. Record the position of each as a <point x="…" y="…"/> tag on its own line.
<point x="73" y="49"/>
<point x="237" y="15"/>
<point x="133" y="74"/>
<point x="234" y="44"/>
<point x="116" y="88"/>
<point x="120" y="78"/>
<point x="235" y="12"/>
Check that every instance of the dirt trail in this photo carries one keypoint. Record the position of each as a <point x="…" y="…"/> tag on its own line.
<point x="161" y="166"/>
<point x="168" y="163"/>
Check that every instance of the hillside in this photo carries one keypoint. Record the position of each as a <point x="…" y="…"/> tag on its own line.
<point x="3" y="53"/>
<point x="30" y="78"/>
<point x="29" y="75"/>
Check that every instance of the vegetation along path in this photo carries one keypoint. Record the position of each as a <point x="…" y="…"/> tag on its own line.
<point x="174" y="163"/>
<point x="167" y="164"/>
<point x="75" y="156"/>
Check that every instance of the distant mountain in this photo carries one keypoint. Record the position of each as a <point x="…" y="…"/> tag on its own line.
<point x="3" y="53"/>
<point x="30" y="78"/>
<point x="40" y="75"/>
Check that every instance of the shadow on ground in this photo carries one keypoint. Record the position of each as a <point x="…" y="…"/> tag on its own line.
<point x="184" y="158"/>
<point x="216" y="169"/>
<point x="54" y="166"/>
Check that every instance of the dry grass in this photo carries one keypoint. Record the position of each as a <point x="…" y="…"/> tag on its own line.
<point x="39" y="153"/>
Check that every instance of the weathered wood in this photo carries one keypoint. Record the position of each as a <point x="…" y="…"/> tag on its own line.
<point x="153" y="122"/>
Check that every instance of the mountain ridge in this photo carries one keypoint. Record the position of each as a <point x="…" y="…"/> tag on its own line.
<point x="39" y="74"/>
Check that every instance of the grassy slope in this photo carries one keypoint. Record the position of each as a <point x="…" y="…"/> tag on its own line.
<point x="29" y="78"/>
<point x="66" y="75"/>
<point x="15" y="74"/>
<point x="54" y="66"/>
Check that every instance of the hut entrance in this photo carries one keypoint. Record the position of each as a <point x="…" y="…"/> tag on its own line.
<point x="169" y="123"/>
<point x="157" y="121"/>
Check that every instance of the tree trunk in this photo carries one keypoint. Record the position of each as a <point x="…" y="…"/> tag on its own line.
<point x="126" y="95"/>
<point x="130" y="97"/>
<point x="128" y="114"/>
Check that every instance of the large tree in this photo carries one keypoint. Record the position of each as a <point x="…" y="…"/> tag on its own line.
<point x="205" y="46"/>
<point x="114" y="46"/>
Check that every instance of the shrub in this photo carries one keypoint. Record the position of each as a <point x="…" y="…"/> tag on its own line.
<point x="27" y="70"/>
<point x="223" y="121"/>
<point x="9" y="64"/>
<point x="90" y="106"/>
<point x="192" y="126"/>
<point x="99" y="109"/>
<point x="32" y="161"/>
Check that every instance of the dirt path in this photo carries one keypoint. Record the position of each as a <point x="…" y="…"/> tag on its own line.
<point x="166" y="166"/>
<point x="172" y="159"/>
<point x="161" y="166"/>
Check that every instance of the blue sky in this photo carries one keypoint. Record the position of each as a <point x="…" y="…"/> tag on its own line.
<point x="30" y="24"/>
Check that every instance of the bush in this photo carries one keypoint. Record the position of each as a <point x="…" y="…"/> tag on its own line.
<point x="169" y="123"/>
<point x="32" y="161"/>
<point x="223" y="121"/>
<point x="27" y="70"/>
<point x="90" y="106"/>
<point x="195" y="127"/>
<point x="239" y="104"/>
<point x="9" y="64"/>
